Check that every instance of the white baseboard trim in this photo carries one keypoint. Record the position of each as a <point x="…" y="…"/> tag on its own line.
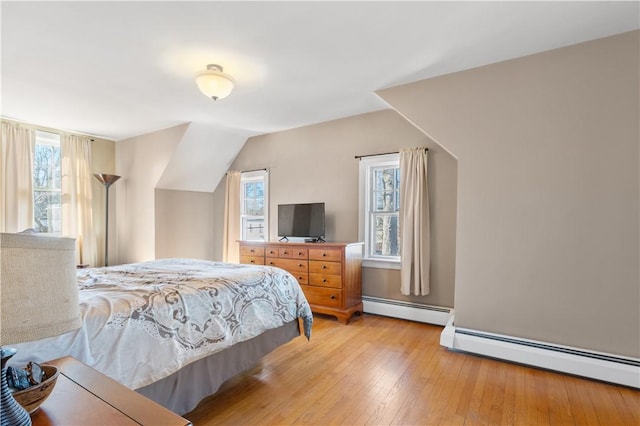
<point x="406" y="310"/>
<point x="595" y="365"/>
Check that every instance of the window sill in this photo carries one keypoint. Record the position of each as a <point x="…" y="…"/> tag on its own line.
<point x="381" y="264"/>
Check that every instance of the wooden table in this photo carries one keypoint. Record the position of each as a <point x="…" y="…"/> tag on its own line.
<point x="83" y="396"/>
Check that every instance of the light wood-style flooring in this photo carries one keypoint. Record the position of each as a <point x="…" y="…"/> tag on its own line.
<point x="379" y="371"/>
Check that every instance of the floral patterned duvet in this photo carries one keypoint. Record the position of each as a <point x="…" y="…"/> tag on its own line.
<point x="145" y="321"/>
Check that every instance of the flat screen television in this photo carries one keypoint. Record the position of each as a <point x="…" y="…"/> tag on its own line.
<point x="301" y="220"/>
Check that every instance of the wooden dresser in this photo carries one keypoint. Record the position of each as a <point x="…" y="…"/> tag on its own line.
<point x="330" y="274"/>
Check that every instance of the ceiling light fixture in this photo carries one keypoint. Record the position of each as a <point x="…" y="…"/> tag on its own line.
<point x="214" y="83"/>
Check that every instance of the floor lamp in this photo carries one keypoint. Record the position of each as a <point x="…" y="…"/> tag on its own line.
<point x="107" y="181"/>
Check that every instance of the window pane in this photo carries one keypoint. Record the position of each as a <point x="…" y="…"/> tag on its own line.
<point x="253" y="228"/>
<point x="253" y="199"/>
<point x="379" y="197"/>
<point x="47" y="211"/>
<point x="379" y="201"/>
<point x="254" y="212"/>
<point x="258" y="204"/>
<point x="46" y="170"/>
<point x="254" y="207"/>
<point x="386" y="235"/>
<point x="386" y="201"/>
<point x="384" y="179"/>
<point x="259" y="189"/>
<point x="46" y="183"/>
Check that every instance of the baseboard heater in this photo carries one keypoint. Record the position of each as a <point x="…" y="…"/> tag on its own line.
<point x="595" y="365"/>
<point x="406" y="310"/>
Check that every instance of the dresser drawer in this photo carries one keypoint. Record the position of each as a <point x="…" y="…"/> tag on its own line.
<point x="252" y="260"/>
<point x="299" y="253"/>
<point x="323" y="296"/>
<point x="251" y="251"/>
<point x="318" y="266"/>
<point x="332" y="255"/>
<point x="302" y="277"/>
<point x="271" y="251"/>
<point x="291" y="265"/>
<point x="285" y="253"/>
<point x="324" y="280"/>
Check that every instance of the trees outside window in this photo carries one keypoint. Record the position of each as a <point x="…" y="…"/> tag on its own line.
<point x="47" y="176"/>
<point x="384" y="208"/>
<point x="379" y="210"/>
<point x="254" y="206"/>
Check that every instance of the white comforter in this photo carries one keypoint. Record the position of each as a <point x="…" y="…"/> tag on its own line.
<point x="144" y="321"/>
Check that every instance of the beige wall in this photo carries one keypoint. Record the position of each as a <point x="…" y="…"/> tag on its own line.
<point x="548" y="191"/>
<point x="184" y="224"/>
<point x="140" y="161"/>
<point x="316" y="164"/>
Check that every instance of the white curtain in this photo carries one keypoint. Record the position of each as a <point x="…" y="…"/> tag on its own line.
<point x="16" y="180"/>
<point x="414" y="222"/>
<point x="230" y="248"/>
<point x="77" y="211"/>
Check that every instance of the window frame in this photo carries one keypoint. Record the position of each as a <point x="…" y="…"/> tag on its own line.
<point x="252" y="177"/>
<point x="365" y="214"/>
<point x="52" y="139"/>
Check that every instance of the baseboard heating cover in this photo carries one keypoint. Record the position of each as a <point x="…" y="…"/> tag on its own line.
<point x="406" y="310"/>
<point x="595" y="365"/>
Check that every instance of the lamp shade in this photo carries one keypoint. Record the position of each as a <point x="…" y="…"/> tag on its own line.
<point x="38" y="285"/>
<point x="214" y="83"/>
<point x="106" y="179"/>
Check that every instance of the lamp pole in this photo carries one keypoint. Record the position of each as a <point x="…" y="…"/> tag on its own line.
<point x="107" y="180"/>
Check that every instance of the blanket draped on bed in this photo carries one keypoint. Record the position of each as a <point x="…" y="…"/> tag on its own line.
<point x="145" y="321"/>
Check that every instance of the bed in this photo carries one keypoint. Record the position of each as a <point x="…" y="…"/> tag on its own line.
<point x="176" y="329"/>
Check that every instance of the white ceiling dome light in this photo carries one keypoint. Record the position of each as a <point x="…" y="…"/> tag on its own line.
<point x="214" y="83"/>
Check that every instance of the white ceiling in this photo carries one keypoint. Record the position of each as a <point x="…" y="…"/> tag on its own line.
<point x="122" y="69"/>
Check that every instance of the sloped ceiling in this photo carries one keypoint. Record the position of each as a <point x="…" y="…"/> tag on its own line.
<point x="121" y="69"/>
<point x="201" y="159"/>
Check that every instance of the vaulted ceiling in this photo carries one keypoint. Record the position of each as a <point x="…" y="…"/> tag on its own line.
<point x="121" y="69"/>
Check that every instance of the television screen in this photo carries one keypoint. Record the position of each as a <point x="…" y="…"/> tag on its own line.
<point x="301" y="220"/>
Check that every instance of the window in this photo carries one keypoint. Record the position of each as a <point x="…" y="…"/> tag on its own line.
<point x="47" y="176"/>
<point x="254" y="201"/>
<point x="379" y="210"/>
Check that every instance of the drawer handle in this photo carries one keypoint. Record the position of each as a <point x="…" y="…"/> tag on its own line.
<point x="324" y="254"/>
<point x="324" y="280"/>
<point x="299" y="253"/>
<point x="284" y="252"/>
<point x="252" y="261"/>
<point x="270" y="263"/>
<point x="324" y="266"/>
<point x="332" y="296"/>
<point x="252" y="251"/>
<point x="300" y="265"/>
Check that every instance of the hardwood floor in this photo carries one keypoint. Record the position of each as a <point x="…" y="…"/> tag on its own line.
<point x="379" y="371"/>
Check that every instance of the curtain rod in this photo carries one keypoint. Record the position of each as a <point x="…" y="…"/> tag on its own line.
<point x="384" y="153"/>
<point x="249" y="171"/>
<point x="53" y="130"/>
